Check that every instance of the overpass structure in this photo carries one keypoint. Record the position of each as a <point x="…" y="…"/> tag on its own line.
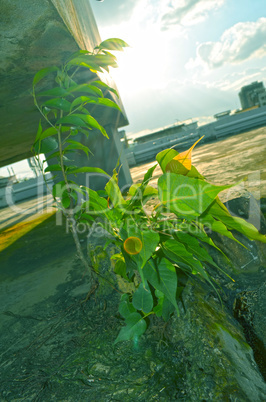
<point x="37" y="34"/>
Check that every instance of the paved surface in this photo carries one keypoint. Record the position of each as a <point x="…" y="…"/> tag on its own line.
<point x="25" y="210"/>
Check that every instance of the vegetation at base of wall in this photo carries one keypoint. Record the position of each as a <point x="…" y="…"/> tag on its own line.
<point x="160" y="234"/>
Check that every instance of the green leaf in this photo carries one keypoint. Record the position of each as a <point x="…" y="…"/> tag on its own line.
<point x="121" y="269"/>
<point x="85" y="60"/>
<point x="66" y="200"/>
<point x="86" y="169"/>
<point x="58" y="189"/>
<point x="113" y="44"/>
<point x="194" y="247"/>
<point x="150" y="192"/>
<point x="148" y="175"/>
<point x="84" y="131"/>
<point x="100" y="84"/>
<point x="39" y="131"/>
<point x="73" y="119"/>
<point x="178" y="253"/>
<point x="164" y="307"/>
<point x="91" y="122"/>
<point x="125" y="307"/>
<point x="217" y="226"/>
<point x="106" y="61"/>
<point x="163" y="278"/>
<point x="98" y="101"/>
<point x="193" y="172"/>
<point x="82" y="100"/>
<point x="87" y="88"/>
<point x="114" y="192"/>
<point x="138" y="191"/>
<point x="96" y="205"/>
<point x="133" y="189"/>
<point x="57" y="91"/>
<point x="76" y="145"/>
<point x="142" y="299"/>
<point x="198" y="232"/>
<point x="43" y="73"/>
<point x="133" y="245"/>
<point x="135" y="327"/>
<point x="219" y="211"/>
<point x="166" y="156"/>
<point x="86" y="217"/>
<point x="95" y="202"/>
<point x="149" y="239"/>
<point x="45" y="146"/>
<point x="158" y="309"/>
<point x="58" y="103"/>
<point x="167" y="309"/>
<point x="78" y="53"/>
<point x="82" y="120"/>
<point x="53" y="168"/>
<point x="108" y="103"/>
<point x="53" y="155"/>
<point x="52" y="131"/>
<point x="48" y="133"/>
<point x="186" y="196"/>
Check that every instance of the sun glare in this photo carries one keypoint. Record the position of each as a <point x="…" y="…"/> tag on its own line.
<point x="140" y="66"/>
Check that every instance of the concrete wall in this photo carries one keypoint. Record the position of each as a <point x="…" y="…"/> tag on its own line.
<point x="33" y="36"/>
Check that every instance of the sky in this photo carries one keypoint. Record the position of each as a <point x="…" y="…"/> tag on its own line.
<point x="187" y="58"/>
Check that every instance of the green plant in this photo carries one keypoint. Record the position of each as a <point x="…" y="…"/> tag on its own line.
<point x="65" y="112"/>
<point x="160" y="233"/>
<point x="159" y="242"/>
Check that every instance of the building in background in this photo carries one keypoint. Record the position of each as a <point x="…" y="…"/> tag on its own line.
<point x="252" y="95"/>
<point x="262" y="98"/>
<point x="182" y="135"/>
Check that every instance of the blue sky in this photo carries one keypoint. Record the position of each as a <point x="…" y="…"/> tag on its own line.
<point x="188" y="58"/>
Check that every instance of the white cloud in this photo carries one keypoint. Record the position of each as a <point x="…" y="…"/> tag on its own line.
<point x="237" y="80"/>
<point x="189" y="12"/>
<point x="241" y="42"/>
<point x="114" y="11"/>
<point x="180" y="100"/>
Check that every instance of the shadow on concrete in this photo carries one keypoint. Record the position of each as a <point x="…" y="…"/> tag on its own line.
<point x="42" y="245"/>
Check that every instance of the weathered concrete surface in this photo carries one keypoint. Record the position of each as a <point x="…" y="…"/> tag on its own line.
<point x="78" y="18"/>
<point x="217" y="363"/>
<point x="55" y="346"/>
<point x="246" y="297"/>
<point x="34" y="36"/>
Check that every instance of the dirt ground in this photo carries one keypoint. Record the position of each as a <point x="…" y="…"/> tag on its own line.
<point x="239" y="159"/>
<point x="55" y="346"/>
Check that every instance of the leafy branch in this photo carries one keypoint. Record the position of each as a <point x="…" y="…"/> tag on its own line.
<point x="66" y="114"/>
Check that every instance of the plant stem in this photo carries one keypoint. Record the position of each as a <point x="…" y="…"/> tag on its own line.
<point x="43" y="115"/>
<point x="80" y="253"/>
<point x="69" y="214"/>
